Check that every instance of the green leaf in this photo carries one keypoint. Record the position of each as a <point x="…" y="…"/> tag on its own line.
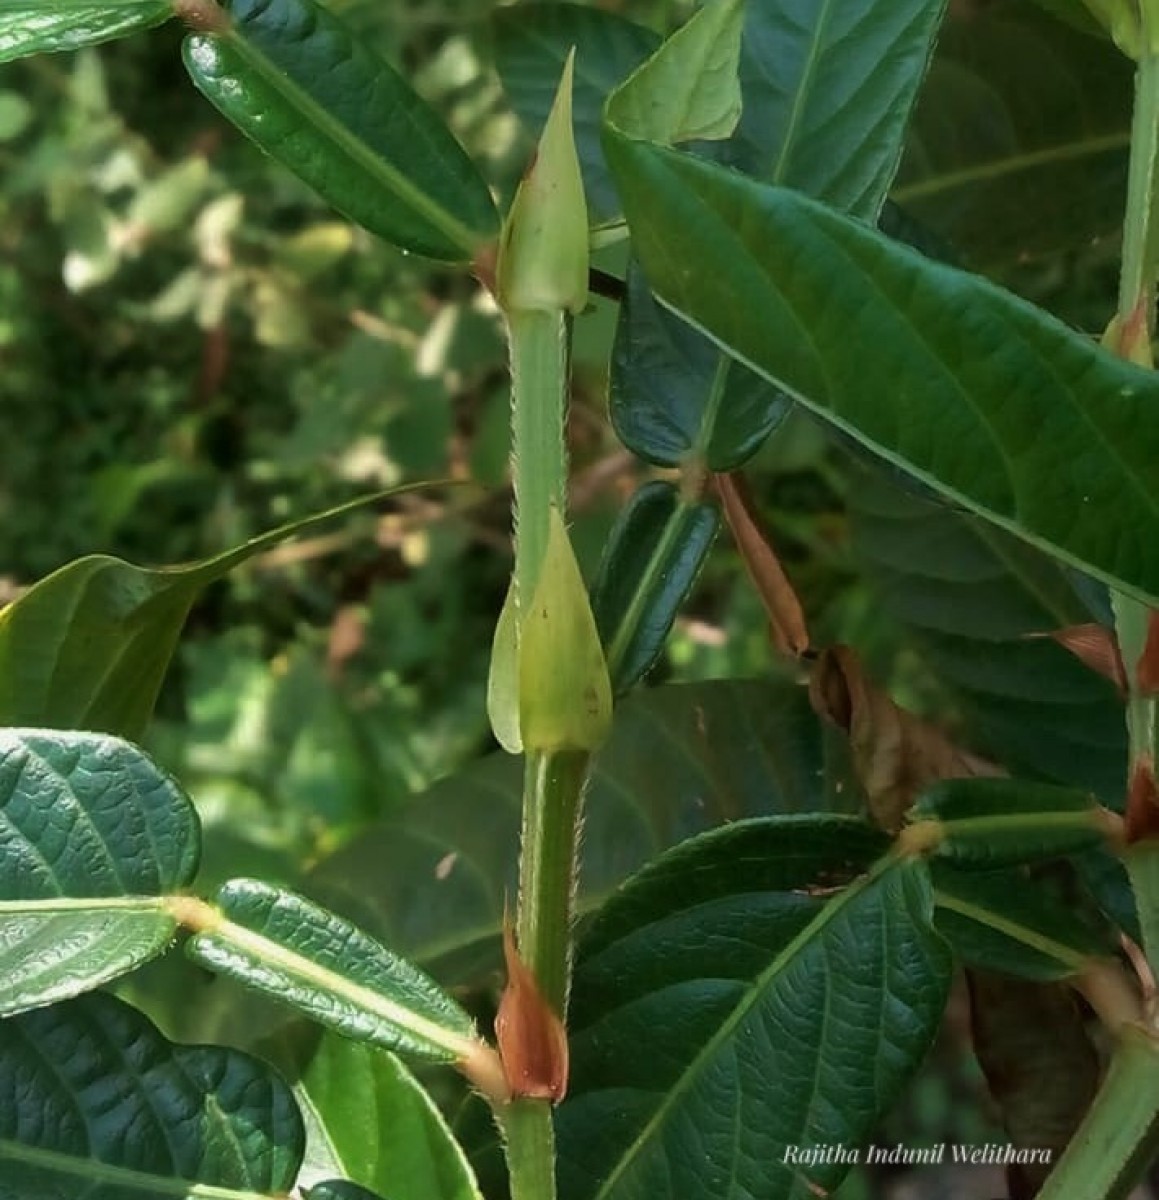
<point x="650" y="562"/>
<point x="828" y="89"/>
<point x="311" y="94"/>
<point x="674" y="397"/>
<point x="94" y="1102"/>
<point x="1002" y="822"/>
<point x="801" y="1015"/>
<point x="95" y="836"/>
<point x="281" y="944"/>
<point x="432" y="882"/>
<point x="688" y="89"/>
<point x="972" y="595"/>
<point x="967" y="387"/>
<point x="369" y="1120"/>
<point x="88" y="646"/>
<point x="340" y="1189"/>
<point x="1017" y="107"/>
<point x="46" y="26"/>
<point x="1045" y="928"/>
<point x="531" y="47"/>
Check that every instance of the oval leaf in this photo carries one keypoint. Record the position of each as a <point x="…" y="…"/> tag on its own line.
<point x="281" y="944"/>
<point x="95" y="835"/>
<point x="40" y="27"/>
<point x="296" y="81"/>
<point x="650" y="562"/>
<point x="751" y="973"/>
<point x="973" y="390"/>
<point x="95" y="1102"/>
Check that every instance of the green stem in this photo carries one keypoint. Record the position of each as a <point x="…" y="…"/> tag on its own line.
<point x="1138" y="272"/>
<point x="553" y="786"/>
<point x="539" y="381"/>
<point x="1119" y="1135"/>
<point x="530" y="1148"/>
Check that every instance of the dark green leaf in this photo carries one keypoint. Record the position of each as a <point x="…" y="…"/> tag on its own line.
<point x="293" y="78"/>
<point x="369" y="1120"/>
<point x="1001" y="822"/>
<point x="800" y="1017"/>
<point x="281" y="944"/>
<point x="828" y="89"/>
<point x="433" y="882"/>
<point x="1041" y="928"/>
<point x="1017" y="107"/>
<point x="1040" y="1064"/>
<point x="342" y="1189"/>
<point x="87" y="647"/>
<point x="531" y="46"/>
<point x="95" y="1103"/>
<point x="973" y="595"/>
<point x="978" y="393"/>
<point x="46" y="26"/>
<point x="650" y="563"/>
<point x="94" y="837"/>
<point x="675" y="397"/>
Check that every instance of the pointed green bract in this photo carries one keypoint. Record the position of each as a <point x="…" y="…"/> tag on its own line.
<point x="282" y="944"/>
<point x="543" y="253"/>
<point x="503" y="677"/>
<point x="296" y="81"/>
<point x="183" y="1117"/>
<point x="971" y="389"/>
<point x="96" y="837"/>
<point x="47" y="26"/>
<point x="688" y="89"/>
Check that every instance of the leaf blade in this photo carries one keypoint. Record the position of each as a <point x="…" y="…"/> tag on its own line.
<point x="33" y="27"/>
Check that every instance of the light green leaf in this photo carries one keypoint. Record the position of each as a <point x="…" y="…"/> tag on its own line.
<point x="432" y="881"/>
<point x="283" y="945"/>
<point x="96" y="1104"/>
<point x="87" y="647"/>
<point x="965" y="386"/>
<point x="95" y="837"/>
<point x="801" y="1014"/>
<point x="688" y="89"/>
<point x="46" y="26"/>
<point x="310" y="93"/>
<point x="369" y="1120"/>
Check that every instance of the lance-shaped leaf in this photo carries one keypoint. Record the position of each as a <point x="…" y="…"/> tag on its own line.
<point x="971" y="389"/>
<point x="92" y="837"/>
<point x="801" y="1015"/>
<point x="294" y="79"/>
<point x="531" y="46"/>
<point x="1004" y="822"/>
<point x="1045" y="928"/>
<point x="650" y="562"/>
<point x="87" y="647"/>
<point x="41" y="27"/>
<point x="282" y="944"/>
<point x="368" y="1121"/>
<point x="95" y="1102"/>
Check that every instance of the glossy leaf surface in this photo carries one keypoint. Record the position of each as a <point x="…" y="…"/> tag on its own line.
<point x="650" y="563"/>
<point x="87" y="647"/>
<point x="368" y="1121"/>
<point x="432" y="883"/>
<point x="301" y="85"/>
<point x="776" y="1044"/>
<point x="978" y="393"/>
<point x="95" y="1103"/>
<point x="283" y="945"/>
<point x="94" y="836"/>
<point x="531" y="47"/>
<point x="44" y="27"/>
